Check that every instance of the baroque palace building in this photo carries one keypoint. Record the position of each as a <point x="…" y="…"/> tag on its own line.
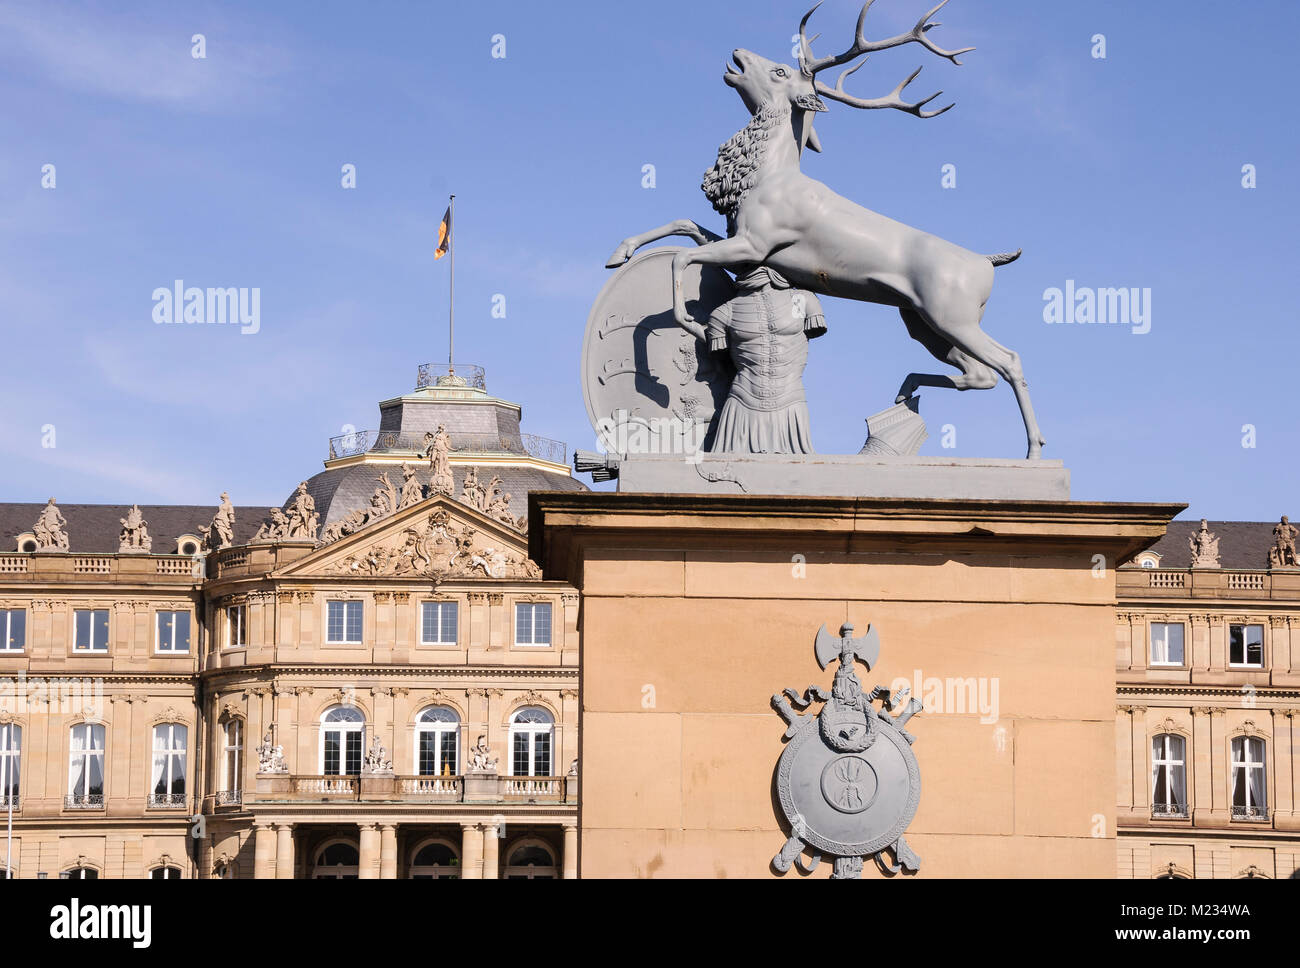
<point x="372" y="681"/>
<point x="1208" y="713"/>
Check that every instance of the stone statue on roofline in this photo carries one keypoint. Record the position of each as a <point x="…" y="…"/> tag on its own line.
<point x="1205" y="547"/>
<point x="221" y="533"/>
<point x="412" y="489"/>
<point x="437" y="449"/>
<point x="50" y="529"/>
<point x="275" y="528"/>
<point x="1283" y="553"/>
<point x="303" y="519"/>
<point x="134" y="537"/>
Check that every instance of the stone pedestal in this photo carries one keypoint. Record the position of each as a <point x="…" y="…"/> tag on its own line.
<point x="482" y="787"/>
<point x="698" y="608"/>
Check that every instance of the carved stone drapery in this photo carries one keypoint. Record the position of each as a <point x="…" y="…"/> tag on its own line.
<point x="221" y="532"/>
<point x="304" y="522"/>
<point x="438" y="447"/>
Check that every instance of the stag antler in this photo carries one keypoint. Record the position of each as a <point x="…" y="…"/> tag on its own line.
<point x="894" y="99"/>
<point x="812" y="65"/>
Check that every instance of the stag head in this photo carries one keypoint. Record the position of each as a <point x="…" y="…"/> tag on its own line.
<point x="762" y="83"/>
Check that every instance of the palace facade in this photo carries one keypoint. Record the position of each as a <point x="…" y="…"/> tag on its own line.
<point x="370" y="682"/>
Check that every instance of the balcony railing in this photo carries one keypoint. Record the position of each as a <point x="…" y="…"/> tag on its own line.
<point x="431" y="787"/>
<point x="453" y="375"/>
<point x="392" y="442"/>
<point x="229" y="798"/>
<point x="10" y="799"/>
<point x="381" y="787"/>
<point x="167" y="801"/>
<point x="325" y="786"/>
<point x="1254" y="814"/>
<point x="532" y="787"/>
<point x="1168" y="811"/>
<point x="85" y="801"/>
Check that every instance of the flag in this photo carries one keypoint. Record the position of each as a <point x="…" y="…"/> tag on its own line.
<point x="444" y="236"/>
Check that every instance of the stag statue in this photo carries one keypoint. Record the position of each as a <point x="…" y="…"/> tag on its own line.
<point x="780" y="218"/>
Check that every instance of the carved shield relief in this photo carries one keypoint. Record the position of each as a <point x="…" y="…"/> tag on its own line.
<point x="648" y="383"/>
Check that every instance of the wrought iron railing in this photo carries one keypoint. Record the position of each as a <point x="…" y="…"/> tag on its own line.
<point x="1169" y="810"/>
<point x="227" y="798"/>
<point x="169" y="801"/>
<point x="393" y="442"/>
<point x="1249" y="813"/>
<point x="451" y="375"/>
<point x="10" y="799"/>
<point x="85" y="801"/>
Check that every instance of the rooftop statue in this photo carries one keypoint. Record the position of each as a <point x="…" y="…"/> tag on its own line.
<point x="1205" y="547"/>
<point x="134" y="536"/>
<point x="812" y="239"/>
<point x="50" y="529"/>
<point x="1283" y="553"/>
<point x="223" y="524"/>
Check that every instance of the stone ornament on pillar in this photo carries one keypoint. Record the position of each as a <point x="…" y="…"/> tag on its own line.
<point x="481" y="758"/>
<point x="377" y="760"/>
<point x="270" y="757"/>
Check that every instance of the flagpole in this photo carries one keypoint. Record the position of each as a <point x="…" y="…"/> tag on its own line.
<point x="451" y="315"/>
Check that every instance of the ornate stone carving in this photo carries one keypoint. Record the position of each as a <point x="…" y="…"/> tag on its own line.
<point x="221" y="532"/>
<point x="471" y="491"/>
<point x="481" y="759"/>
<point x="437" y="449"/>
<point x="412" y="489"/>
<point x="134" y="537"/>
<point x="270" y="757"/>
<point x="377" y="760"/>
<point x="1282" y="554"/>
<point x="275" y="528"/>
<point x="440" y="549"/>
<point x="1205" y="547"/>
<point x="50" y="529"/>
<point x="847" y="781"/>
<point x="303" y="519"/>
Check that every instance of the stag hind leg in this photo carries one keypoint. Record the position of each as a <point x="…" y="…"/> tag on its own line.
<point x="974" y="374"/>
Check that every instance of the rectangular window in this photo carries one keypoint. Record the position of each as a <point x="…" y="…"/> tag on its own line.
<point x="438" y="623"/>
<point x="1167" y="643"/>
<point x="343" y="622"/>
<point x="173" y="631"/>
<point x="533" y="623"/>
<point x="90" y="630"/>
<point x="1246" y="645"/>
<point x="13" y="629"/>
<point x="236" y="626"/>
<point x="234" y="753"/>
<point x="1248" y="795"/>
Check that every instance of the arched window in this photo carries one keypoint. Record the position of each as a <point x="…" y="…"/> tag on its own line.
<point x="79" y="874"/>
<point x="531" y="862"/>
<point x="1168" y="776"/>
<point x="11" y="751"/>
<point x="532" y="730"/>
<point x="435" y="861"/>
<point x="232" y="761"/>
<point x="438" y="751"/>
<point x="337" y="861"/>
<point x="86" y="766"/>
<point x="168" y="784"/>
<point x="165" y="874"/>
<point x="1248" y="792"/>
<point x="342" y="737"/>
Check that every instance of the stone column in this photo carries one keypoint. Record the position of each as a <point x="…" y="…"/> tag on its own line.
<point x="388" y="852"/>
<point x="491" y="843"/>
<point x="369" y="851"/>
<point x="284" y="851"/>
<point x="205" y="859"/>
<point x="471" y="852"/>
<point x="1200" y="768"/>
<point x="263" y="851"/>
<point x="570" y="859"/>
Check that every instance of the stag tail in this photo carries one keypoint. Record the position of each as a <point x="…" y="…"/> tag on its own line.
<point x="1004" y="258"/>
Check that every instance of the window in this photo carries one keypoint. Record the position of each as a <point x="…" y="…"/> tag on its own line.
<point x="1166" y="643"/>
<point x="1168" y="776"/>
<point x="436" y="861"/>
<point x="236" y="626"/>
<point x="90" y="630"/>
<point x="531" y="731"/>
<point x="532" y="862"/>
<point x="86" y="766"/>
<point x="343" y="621"/>
<point x="168" y="765"/>
<point x="13" y="629"/>
<point x="337" y="861"/>
<point x="533" y="623"/>
<point x="438" y="623"/>
<point x="1246" y="645"/>
<point x="173" y="631"/>
<point x="165" y="874"/>
<point x="11" y="748"/>
<point x="439" y="732"/>
<point x="80" y="874"/>
<point x="342" y="732"/>
<point x="1248" y="801"/>
<point x="233" y="757"/>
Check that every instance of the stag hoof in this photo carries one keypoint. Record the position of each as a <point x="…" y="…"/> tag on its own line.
<point x="620" y="256"/>
<point x="1036" y="450"/>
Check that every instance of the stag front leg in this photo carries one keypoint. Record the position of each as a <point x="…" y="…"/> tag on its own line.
<point x="682" y="226"/>
<point x="731" y="252"/>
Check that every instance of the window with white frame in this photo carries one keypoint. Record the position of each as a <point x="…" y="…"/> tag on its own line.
<point x="165" y="874"/>
<point x="233" y="755"/>
<point x="79" y="874"/>
<point x="343" y="622"/>
<point x="11" y="751"/>
<point x="1248" y="790"/>
<point x="168" y="784"/>
<point x="1168" y="776"/>
<point x="532" y="734"/>
<point x="236" y="626"/>
<point x="533" y="623"/>
<point x="173" y="631"/>
<point x="1246" y="645"/>
<point x="438" y="623"/>
<point x="435" y="861"/>
<point x="1167" y="643"/>
<point x="530" y="862"/>
<point x="86" y="765"/>
<point x="13" y="629"/>
<point x="342" y="737"/>
<point x="90" y="630"/>
<point x="438" y="748"/>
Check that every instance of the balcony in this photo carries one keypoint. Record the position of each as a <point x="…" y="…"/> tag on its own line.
<point x="167" y="801"/>
<point x="8" y="800"/>
<point x="414" y="445"/>
<point x="1169" y="811"/>
<point x="446" y="788"/>
<point x="84" y="801"/>
<point x="229" y="798"/>
<point x="1250" y="814"/>
<point x="390" y="788"/>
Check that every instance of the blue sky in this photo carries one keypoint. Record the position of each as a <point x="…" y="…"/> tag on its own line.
<point x="225" y="171"/>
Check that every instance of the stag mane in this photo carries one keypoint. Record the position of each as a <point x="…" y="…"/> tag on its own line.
<point x="739" y="160"/>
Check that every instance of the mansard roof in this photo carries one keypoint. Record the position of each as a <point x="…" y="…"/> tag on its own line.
<point x="1242" y="544"/>
<point x="96" y="528"/>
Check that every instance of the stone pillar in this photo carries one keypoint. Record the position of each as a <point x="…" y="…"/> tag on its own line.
<point x="263" y="851"/>
<point x="205" y="859"/>
<point x="471" y="852"/>
<point x="491" y="843"/>
<point x="570" y="859"/>
<point x="388" y="852"/>
<point x="1200" y="769"/>
<point x="369" y="851"/>
<point x="284" y="851"/>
